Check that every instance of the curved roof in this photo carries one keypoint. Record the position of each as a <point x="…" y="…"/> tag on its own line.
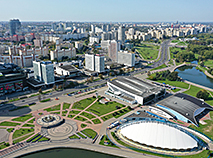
<point x="158" y="135"/>
<point x="186" y="105"/>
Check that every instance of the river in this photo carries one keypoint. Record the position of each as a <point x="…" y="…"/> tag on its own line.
<point x="190" y="73"/>
<point x="67" y="153"/>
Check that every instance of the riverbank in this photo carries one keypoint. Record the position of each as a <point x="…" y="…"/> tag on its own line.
<point x="79" y="144"/>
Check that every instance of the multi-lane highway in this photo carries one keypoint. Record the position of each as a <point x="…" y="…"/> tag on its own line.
<point x="162" y="60"/>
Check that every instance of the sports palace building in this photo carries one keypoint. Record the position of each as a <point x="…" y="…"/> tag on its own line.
<point x="134" y="90"/>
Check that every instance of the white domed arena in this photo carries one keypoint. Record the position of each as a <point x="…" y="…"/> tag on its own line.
<point x="158" y="136"/>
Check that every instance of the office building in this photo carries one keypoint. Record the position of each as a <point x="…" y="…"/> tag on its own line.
<point x="44" y="72"/>
<point x="14" y="25"/>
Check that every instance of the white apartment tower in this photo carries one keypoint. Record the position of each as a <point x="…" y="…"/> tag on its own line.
<point x="95" y="62"/>
<point x="44" y="72"/>
<point x="113" y="50"/>
<point x="126" y="58"/>
<point x="121" y="33"/>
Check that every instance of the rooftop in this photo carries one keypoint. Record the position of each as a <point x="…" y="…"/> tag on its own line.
<point x="136" y="86"/>
<point x="69" y="68"/>
<point x="186" y="105"/>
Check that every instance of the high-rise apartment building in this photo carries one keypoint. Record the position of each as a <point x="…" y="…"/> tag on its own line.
<point x="14" y="25"/>
<point x="126" y="58"/>
<point x="44" y="72"/>
<point x="121" y="33"/>
<point x="93" y="28"/>
<point x="113" y="50"/>
<point x="95" y="62"/>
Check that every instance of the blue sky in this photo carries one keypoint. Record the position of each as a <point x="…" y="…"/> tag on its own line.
<point x="108" y="10"/>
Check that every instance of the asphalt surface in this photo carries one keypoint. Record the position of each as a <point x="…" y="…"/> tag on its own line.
<point x="162" y="60"/>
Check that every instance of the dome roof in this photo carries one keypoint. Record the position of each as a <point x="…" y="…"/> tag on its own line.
<point x="158" y="135"/>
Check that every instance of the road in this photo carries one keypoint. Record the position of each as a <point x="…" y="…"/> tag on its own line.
<point x="162" y="60"/>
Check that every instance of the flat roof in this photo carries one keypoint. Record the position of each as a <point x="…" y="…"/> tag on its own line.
<point x="185" y="105"/>
<point x="70" y="68"/>
<point x="136" y="86"/>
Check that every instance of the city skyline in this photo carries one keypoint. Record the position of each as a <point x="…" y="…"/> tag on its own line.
<point x="108" y="11"/>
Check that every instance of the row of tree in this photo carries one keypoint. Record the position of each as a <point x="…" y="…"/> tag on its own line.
<point x="164" y="75"/>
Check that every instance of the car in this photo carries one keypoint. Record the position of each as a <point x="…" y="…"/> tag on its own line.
<point x="56" y="98"/>
<point x="23" y="100"/>
<point x="50" y="93"/>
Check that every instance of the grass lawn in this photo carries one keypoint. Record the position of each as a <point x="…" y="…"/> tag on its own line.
<point x="23" y="118"/>
<point x="4" y="145"/>
<point x="208" y="63"/>
<point x="175" y="83"/>
<point x="192" y="91"/>
<point x="21" y="139"/>
<point x="80" y="118"/>
<point x="203" y="154"/>
<point x="148" y="52"/>
<point x="74" y="112"/>
<point x="10" y="130"/>
<point x="45" y="100"/>
<point x="101" y="109"/>
<point x="160" y="67"/>
<point x="89" y="116"/>
<point x="207" y="129"/>
<point x="90" y="133"/>
<point x="122" y="112"/>
<point x="70" y="116"/>
<point x="6" y="123"/>
<point x="107" y="117"/>
<point x="110" y="144"/>
<point x="21" y="132"/>
<point x="82" y="104"/>
<point x="74" y="137"/>
<point x="37" y="135"/>
<point x="36" y="139"/>
<point x="182" y="44"/>
<point x="58" y="112"/>
<point x="28" y="125"/>
<point x="88" y="122"/>
<point x="43" y="139"/>
<point x="82" y="136"/>
<point x="96" y="121"/>
<point x="175" y="41"/>
<point x="83" y="125"/>
<point x="66" y="106"/>
<point x="64" y="113"/>
<point x="176" y="90"/>
<point x="54" y="108"/>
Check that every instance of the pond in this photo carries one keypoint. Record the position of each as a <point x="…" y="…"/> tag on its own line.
<point x="190" y="73"/>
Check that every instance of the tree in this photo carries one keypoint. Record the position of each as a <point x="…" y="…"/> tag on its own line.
<point x="91" y="79"/>
<point x="133" y="68"/>
<point x="40" y="91"/>
<point x="54" y="87"/>
<point x="110" y="74"/>
<point x="60" y="87"/>
<point x="148" y="73"/>
<point x="100" y="76"/>
<point x="203" y="94"/>
<point x="173" y="76"/>
<point x="39" y="97"/>
<point x="202" y="64"/>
